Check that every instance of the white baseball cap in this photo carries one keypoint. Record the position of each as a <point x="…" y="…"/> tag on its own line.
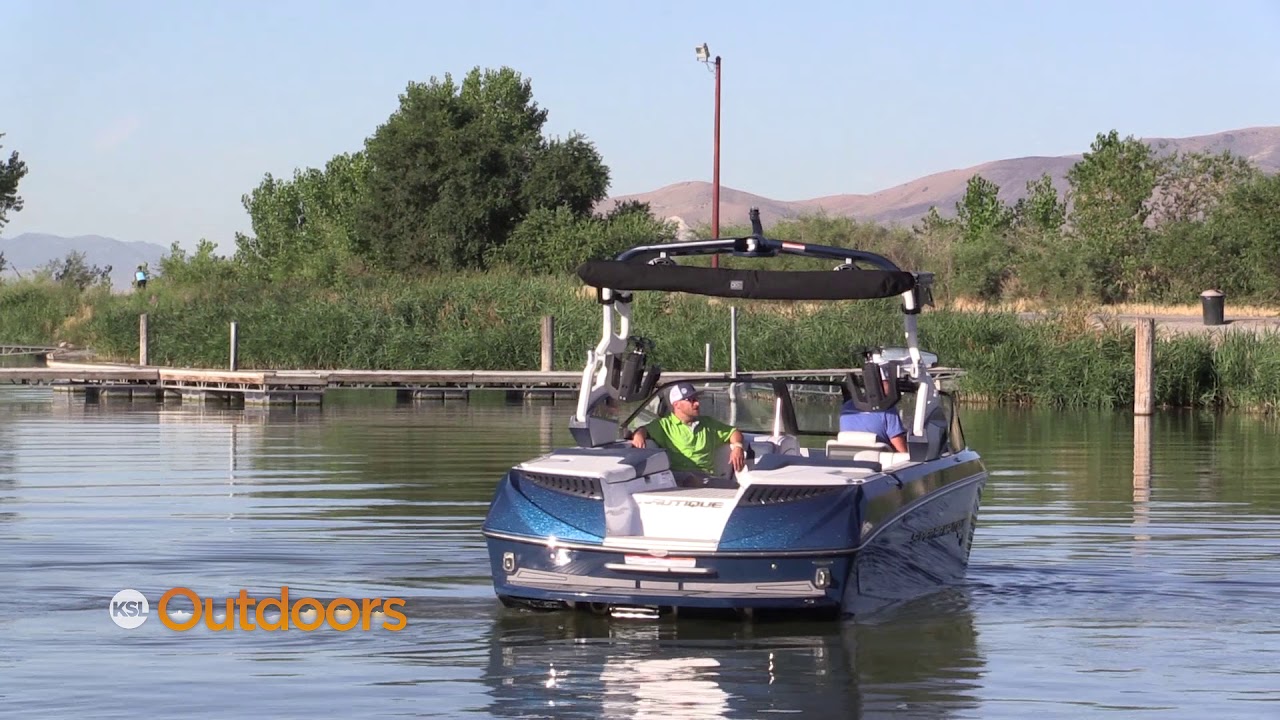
<point x="682" y="391"/>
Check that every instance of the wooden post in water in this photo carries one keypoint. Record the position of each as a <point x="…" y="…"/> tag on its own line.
<point x="1144" y="374"/>
<point x="235" y="346"/>
<point x="548" y="343"/>
<point x="142" y="339"/>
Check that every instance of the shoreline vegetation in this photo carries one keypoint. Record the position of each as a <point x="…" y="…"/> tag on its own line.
<point x="491" y="321"/>
<point x="445" y="239"/>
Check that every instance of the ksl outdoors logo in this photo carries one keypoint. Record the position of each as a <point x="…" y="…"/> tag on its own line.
<point x="129" y="609"/>
<point x="181" y="609"/>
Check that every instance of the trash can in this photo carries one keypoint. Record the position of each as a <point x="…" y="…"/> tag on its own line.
<point x="1211" y="304"/>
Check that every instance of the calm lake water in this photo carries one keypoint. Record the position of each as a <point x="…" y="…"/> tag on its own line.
<point x="1094" y="590"/>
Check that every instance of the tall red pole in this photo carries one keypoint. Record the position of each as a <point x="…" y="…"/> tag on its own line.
<point x="715" y="172"/>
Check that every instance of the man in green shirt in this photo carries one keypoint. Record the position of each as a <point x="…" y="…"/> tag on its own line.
<point x="691" y="441"/>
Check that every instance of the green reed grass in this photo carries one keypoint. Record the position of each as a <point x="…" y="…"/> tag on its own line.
<point x="35" y="311"/>
<point x="492" y="322"/>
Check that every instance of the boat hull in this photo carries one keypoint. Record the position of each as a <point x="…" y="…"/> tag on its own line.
<point x="882" y="544"/>
<point x="580" y="576"/>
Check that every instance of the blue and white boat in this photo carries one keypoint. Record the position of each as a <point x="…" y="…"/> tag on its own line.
<point x="820" y="520"/>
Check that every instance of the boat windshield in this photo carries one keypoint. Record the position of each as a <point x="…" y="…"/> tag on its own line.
<point x="751" y="406"/>
<point x="806" y="408"/>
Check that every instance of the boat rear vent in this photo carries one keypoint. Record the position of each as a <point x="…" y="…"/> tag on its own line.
<point x="567" y="484"/>
<point x="773" y="494"/>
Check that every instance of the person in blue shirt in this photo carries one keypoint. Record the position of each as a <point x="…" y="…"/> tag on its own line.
<point x="140" y="278"/>
<point x="884" y="423"/>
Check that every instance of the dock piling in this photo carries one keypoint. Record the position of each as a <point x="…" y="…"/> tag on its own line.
<point x="1144" y="375"/>
<point x="548" y="342"/>
<point x="235" y="346"/>
<point x="143" y="358"/>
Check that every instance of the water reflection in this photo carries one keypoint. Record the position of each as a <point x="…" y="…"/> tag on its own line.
<point x="921" y="661"/>
<point x="1141" y="476"/>
<point x="1104" y="576"/>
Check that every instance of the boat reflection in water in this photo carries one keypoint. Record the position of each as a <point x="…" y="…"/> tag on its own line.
<point x="918" y="661"/>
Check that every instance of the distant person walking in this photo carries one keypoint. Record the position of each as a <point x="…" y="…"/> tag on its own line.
<point x="140" y="278"/>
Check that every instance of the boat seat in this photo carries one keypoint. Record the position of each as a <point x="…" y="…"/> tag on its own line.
<point x="859" y="438"/>
<point x="883" y="458"/>
<point x="887" y="459"/>
<point x="849" y="442"/>
<point x="864" y="447"/>
<point x="762" y="445"/>
<point x="777" y="462"/>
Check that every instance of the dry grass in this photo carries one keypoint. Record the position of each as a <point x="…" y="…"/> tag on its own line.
<point x="82" y="316"/>
<point x="1027" y="306"/>
<point x="1235" y="311"/>
<point x="970" y="305"/>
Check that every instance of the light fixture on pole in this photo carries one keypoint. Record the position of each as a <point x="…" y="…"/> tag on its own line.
<point x="704" y="56"/>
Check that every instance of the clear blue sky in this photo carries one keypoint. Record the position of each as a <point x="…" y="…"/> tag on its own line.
<point x="148" y="120"/>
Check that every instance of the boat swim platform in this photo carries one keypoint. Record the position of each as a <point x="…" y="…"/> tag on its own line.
<point x="307" y="387"/>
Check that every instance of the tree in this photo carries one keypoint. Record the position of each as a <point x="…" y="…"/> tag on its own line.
<point x="305" y="226"/>
<point x="557" y="241"/>
<point x="982" y="251"/>
<point x="202" y="268"/>
<point x="456" y="168"/>
<point x="11" y="172"/>
<point x="566" y="173"/>
<point x="1041" y="209"/>
<point x="1047" y="268"/>
<point x="981" y="212"/>
<point x="1110" y="190"/>
<point x="1243" y="236"/>
<point x="75" y="270"/>
<point x="1190" y="185"/>
<point x="630" y="207"/>
<point x="1201" y="238"/>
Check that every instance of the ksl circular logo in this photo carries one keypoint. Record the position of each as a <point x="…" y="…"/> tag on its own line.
<point x="129" y="609"/>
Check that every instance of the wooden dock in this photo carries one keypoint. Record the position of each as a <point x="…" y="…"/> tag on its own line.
<point x="25" y="349"/>
<point x="287" y="387"/>
<point x="307" y="387"/>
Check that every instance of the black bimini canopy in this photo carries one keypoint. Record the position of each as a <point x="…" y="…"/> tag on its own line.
<point x="853" y="284"/>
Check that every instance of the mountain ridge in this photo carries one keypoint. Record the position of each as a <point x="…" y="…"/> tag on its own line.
<point x="30" y="251"/>
<point x="689" y="202"/>
<point x="906" y="203"/>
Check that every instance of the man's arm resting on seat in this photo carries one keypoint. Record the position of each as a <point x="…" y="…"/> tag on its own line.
<point x="737" y="452"/>
<point x="638" y="437"/>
